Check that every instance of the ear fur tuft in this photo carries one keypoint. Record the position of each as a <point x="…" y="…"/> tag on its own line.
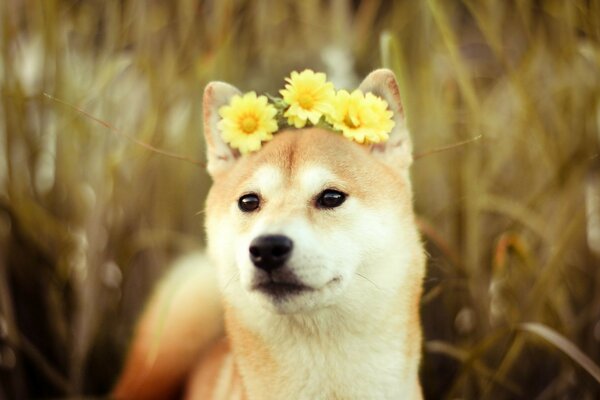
<point x="397" y="151"/>
<point x="219" y="155"/>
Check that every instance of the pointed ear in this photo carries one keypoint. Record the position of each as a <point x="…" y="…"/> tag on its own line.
<point x="397" y="150"/>
<point x="219" y="155"/>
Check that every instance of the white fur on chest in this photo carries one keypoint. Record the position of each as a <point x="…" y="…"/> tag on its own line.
<point x="338" y="354"/>
<point x="341" y="369"/>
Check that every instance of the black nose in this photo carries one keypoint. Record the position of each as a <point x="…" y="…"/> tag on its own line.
<point x="269" y="252"/>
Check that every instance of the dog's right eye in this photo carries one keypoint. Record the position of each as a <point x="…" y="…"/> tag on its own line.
<point x="249" y="202"/>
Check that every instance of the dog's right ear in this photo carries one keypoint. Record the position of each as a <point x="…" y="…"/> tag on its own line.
<point x="219" y="156"/>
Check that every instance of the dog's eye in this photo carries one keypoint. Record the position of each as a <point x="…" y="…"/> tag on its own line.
<point x="330" y="199"/>
<point x="249" y="202"/>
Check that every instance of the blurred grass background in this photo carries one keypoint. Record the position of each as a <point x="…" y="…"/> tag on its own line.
<point x="89" y="220"/>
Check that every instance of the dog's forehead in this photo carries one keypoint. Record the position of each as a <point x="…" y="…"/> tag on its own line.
<point x="308" y="159"/>
<point x="271" y="178"/>
<point x="267" y="178"/>
<point x="312" y="176"/>
<point x="295" y="150"/>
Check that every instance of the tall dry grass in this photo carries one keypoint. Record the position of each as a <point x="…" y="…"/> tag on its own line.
<point x="89" y="219"/>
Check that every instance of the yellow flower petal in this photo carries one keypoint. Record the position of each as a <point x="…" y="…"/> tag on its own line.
<point x="308" y="96"/>
<point x="362" y="118"/>
<point x="247" y="121"/>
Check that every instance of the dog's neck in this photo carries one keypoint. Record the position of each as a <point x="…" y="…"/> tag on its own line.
<point x="370" y="349"/>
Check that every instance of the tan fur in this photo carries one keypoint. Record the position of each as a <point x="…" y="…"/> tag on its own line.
<point x="182" y="318"/>
<point x="361" y="341"/>
<point x="215" y="376"/>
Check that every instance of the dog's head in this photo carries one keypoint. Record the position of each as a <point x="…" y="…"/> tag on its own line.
<point x="312" y="219"/>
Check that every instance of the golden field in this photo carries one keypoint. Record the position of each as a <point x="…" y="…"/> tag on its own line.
<point x="101" y="182"/>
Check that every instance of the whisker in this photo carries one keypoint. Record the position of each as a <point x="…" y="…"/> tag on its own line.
<point x="114" y="130"/>
<point x="368" y="280"/>
<point x="235" y="275"/>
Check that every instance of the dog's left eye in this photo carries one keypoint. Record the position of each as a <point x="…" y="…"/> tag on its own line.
<point x="330" y="198"/>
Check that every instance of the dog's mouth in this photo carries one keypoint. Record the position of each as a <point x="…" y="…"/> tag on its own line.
<point x="282" y="289"/>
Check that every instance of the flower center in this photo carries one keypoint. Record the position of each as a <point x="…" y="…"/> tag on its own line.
<point x="248" y="124"/>
<point x="306" y="101"/>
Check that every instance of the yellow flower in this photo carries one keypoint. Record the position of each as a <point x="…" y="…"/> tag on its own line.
<point x="309" y="97"/>
<point x="247" y="121"/>
<point x="362" y="118"/>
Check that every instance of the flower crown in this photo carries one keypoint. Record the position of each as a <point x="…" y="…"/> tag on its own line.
<point x="308" y="99"/>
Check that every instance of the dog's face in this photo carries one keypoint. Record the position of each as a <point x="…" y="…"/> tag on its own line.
<point x="310" y="218"/>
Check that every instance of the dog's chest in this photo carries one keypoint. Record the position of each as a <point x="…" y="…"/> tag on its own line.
<point x="333" y="369"/>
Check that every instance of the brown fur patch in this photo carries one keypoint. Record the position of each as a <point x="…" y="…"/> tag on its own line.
<point x="213" y="378"/>
<point x="250" y="349"/>
<point x="171" y="335"/>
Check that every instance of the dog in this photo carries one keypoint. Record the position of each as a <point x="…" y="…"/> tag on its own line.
<point x="312" y="281"/>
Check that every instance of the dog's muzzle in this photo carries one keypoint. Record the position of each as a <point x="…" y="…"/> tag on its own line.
<point x="269" y="252"/>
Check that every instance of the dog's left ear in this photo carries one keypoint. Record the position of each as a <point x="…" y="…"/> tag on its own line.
<point x="397" y="150"/>
<point x="219" y="156"/>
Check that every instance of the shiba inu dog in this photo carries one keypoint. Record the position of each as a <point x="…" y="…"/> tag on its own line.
<point x="319" y="269"/>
